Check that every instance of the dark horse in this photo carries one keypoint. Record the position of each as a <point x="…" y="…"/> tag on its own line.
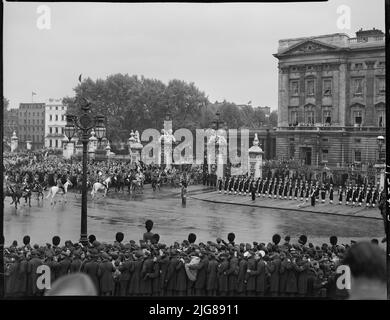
<point x="14" y="192"/>
<point x="118" y="182"/>
<point x="27" y="192"/>
<point x="38" y="188"/>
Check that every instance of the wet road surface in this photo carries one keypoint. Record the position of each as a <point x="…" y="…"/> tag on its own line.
<point x="126" y="213"/>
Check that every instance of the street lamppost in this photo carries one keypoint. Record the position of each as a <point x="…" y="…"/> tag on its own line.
<point x="83" y="125"/>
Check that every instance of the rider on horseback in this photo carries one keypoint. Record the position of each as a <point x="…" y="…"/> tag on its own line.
<point x="60" y="185"/>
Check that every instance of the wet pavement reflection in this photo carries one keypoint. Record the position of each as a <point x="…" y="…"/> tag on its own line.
<point x="127" y="213"/>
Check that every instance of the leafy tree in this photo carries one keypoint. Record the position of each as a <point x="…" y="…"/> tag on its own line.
<point x="273" y="119"/>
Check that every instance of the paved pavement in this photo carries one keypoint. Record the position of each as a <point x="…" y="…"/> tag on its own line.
<point x="207" y="219"/>
<point x="210" y="195"/>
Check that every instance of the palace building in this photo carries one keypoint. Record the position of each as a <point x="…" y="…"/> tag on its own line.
<point x="331" y="103"/>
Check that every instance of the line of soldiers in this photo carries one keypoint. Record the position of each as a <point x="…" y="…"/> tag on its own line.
<point x="297" y="189"/>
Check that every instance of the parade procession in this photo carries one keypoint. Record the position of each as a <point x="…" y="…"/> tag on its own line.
<point x="133" y="167"/>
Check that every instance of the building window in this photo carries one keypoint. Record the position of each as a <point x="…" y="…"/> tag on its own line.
<point x="50" y="143"/>
<point x="357" y="156"/>
<point x="293" y="118"/>
<point x="381" y="119"/>
<point x="56" y="108"/>
<point x="56" y="143"/>
<point x="62" y="130"/>
<point x="358" y="66"/>
<point x="327" y="118"/>
<point x="62" y="117"/>
<point x="51" y="130"/>
<point x="325" y="155"/>
<point x="56" y="129"/>
<point x="327" y="87"/>
<point x="358" y="140"/>
<point x="357" y="86"/>
<point x="310" y="87"/>
<point x="309" y="117"/>
<point x="294" y="87"/>
<point x="56" y="117"/>
<point x="381" y="85"/>
<point x="358" y="117"/>
<point x="51" y="117"/>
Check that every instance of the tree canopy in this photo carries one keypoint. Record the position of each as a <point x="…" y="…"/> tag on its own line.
<point x="137" y="103"/>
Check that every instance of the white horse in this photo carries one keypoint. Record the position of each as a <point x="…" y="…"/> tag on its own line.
<point x="54" y="190"/>
<point x="97" y="186"/>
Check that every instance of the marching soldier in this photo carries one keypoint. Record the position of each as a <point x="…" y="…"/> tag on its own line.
<point x="296" y="189"/>
<point x="290" y="190"/>
<point x="349" y="193"/>
<point x="340" y="194"/>
<point x="368" y="196"/>
<point x="375" y="197"/>
<point x="355" y="195"/>
<point x="285" y="189"/>
<point x="307" y="191"/>
<point x="270" y="188"/>
<point x="276" y="186"/>
<point x="226" y="184"/>
<point x="323" y="193"/>
<point x="231" y="185"/>
<point x="264" y="189"/>
<point x="236" y="185"/>
<point x="361" y="195"/>
<point x="220" y="184"/>
<point x="280" y="190"/>
<point x="331" y="194"/>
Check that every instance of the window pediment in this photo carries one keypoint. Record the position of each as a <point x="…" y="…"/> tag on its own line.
<point x="358" y="106"/>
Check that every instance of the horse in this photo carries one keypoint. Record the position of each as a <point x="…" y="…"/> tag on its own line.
<point x="156" y="182"/>
<point x="14" y="192"/>
<point x="98" y="186"/>
<point x="137" y="184"/>
<point x="27" y="192"/>
<point x="54" y="190"/>
<point x="118" y="182"/>
<point x="38" y="188"/>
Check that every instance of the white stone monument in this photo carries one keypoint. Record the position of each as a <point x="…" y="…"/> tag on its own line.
<point x="219" y="141"/>
<point x="135" y="146"/>
<point x="166" y="146"/>
<point x="92" y="145"/>
<point x="255" y="159"/>
<point x="14" y="142"/>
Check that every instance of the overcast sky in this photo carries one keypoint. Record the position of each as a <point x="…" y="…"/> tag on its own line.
<point x="225" y="49"/>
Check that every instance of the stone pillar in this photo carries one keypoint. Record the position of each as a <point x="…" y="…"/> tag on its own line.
<point x="14" y="142"/>
<point x="255" y="159"/>
<point x="92" y="145"/>
<point x="283" y="97"/>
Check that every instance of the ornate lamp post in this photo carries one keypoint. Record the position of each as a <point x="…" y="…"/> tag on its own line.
<point x="83" y="125"/>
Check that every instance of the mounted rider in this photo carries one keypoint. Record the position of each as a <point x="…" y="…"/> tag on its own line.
<point x="60" y="185"/>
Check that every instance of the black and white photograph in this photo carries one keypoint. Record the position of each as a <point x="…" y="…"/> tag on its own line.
<point x="195" y="151"/>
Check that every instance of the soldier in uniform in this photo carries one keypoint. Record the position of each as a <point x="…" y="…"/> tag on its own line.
<point x="264" y="189"/>
<point x="361" y="195"/>
<point x="355" y="195"/>
<point x="290" y="189"/>
<point x="236" y="185"/>
<point x="375" y="197"/>
<point x="349" y="193"/>
<point x="231" y="185"/>
<point x="323" y="193"/>
<point x="331" y="194"/>
<point x="226" y="184"/>
<point x="340" y="194"/>
<point x="368" y="196"/>
<point x="220" y="184"/>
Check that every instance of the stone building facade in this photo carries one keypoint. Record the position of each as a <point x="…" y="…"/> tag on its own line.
<point x="55" y="122"/>
<point x="31" y="124"/>
<point x="331" y="106"/>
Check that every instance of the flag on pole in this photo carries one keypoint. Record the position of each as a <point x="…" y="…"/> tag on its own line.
<point x="250" y="102"/>
<point x="80" y="77"/>
<point x="33" y="93"/>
